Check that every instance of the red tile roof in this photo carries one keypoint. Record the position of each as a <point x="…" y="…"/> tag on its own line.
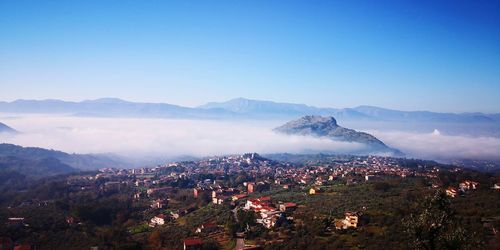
<point x="192" y="242"/>
<point x="161" y="216"/>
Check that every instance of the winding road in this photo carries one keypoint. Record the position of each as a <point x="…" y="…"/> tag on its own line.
<point x="240" y="241"/>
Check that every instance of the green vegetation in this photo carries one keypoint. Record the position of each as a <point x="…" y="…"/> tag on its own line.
<point x="398" y="213"/>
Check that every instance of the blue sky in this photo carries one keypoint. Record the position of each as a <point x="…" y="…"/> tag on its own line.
<point x="410" y="55"/>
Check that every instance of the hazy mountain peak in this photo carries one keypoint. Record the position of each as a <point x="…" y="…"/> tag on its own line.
<point x="321" y="126"/>
<point x="107" y="100"/>
<point x="310" y="125"/>
<point x="262" y="108"/>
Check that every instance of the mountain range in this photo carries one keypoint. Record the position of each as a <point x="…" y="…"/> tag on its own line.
<point x="327" y="127"/>
<point x="239" y="108"/>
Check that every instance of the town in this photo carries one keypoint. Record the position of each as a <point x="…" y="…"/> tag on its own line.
<point x="249" y="201"/>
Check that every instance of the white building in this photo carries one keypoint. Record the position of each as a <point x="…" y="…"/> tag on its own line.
<point x="158" y="220"/>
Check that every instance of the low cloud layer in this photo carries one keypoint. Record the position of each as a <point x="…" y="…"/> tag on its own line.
<point x="170" y="138"/>
<point x="161" y="137"/>
<point x="438" y="145"/>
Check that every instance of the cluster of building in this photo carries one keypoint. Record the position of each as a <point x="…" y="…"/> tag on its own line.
<point x="356" y="170"/>
<point x="152" y="184"/>
<point x="269" y="213"/>
<point x="208" y="179"/>
<point x="463" y="187"/>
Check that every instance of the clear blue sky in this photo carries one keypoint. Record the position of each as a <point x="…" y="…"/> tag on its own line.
<point x="410" y="55"/>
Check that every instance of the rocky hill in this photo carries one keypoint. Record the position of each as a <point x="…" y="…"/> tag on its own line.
<point x="321" y="126"/>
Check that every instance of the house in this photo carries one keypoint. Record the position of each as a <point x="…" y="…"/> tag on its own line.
<point x="351" y="220"/>
<point x="158" y="220"/>
<point x="192" y="243"/>
<point x="288" y="207"/>
<point x="269" y="217"/>
<point x="196" y="192"/>
<point x="268" y="222"/>
<point x="258" y="204"/>
<point x="314" y="190"/>
<point x="268" y="214"/>
<point x="452" y="192"/>
<point x="250" y="187"/>
<point x="218" y="200"/>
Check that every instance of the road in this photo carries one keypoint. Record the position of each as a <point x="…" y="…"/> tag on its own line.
<point x="240" y="243"/>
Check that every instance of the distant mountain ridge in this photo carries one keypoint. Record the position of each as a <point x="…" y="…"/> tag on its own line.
<point x="257" y="108"/>
<point x="233" y="109"/>
<point x="109" y="107"/>
<point x="389" y="114"/>
<point x="327" y="127"/>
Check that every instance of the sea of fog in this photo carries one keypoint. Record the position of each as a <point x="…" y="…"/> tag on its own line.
<point x="175" y="137"/>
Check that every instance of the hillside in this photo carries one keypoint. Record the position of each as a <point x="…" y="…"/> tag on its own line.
<point x="78" y="161"/>
<point x="34" y="168"/>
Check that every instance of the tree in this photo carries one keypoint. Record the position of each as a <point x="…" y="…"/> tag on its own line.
<point x="435" y="227"/>
<point x="245" y="218"/>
